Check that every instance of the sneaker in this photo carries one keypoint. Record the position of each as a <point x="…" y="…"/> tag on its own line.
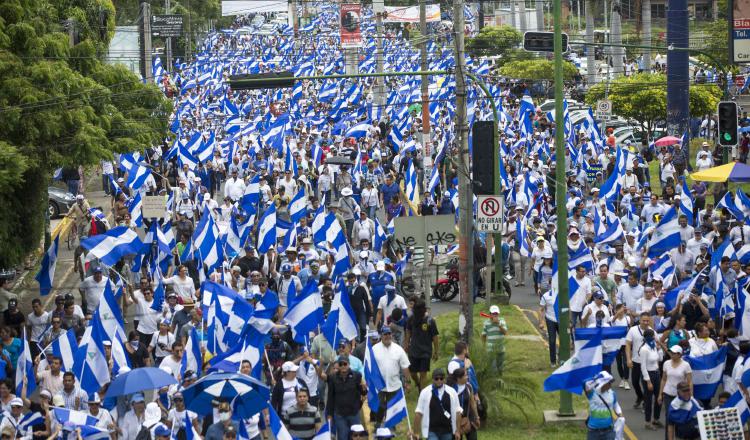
<point x="621" y="383"/>
<point x="552" y="365"/>
<point x="637" y="404"/>
<point x="651" y="427"/>
<point x="657" y="423"/>
<point x="626" y="385"/>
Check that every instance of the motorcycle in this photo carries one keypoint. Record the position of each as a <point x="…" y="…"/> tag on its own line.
<point x="446" y="288"/>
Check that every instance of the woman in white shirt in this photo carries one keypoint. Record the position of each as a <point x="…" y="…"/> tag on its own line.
<point x="370" y="200"/>
<point x="702" y="344"/>
<point x="675" y="370"/>
<point x="650" y="357"/>
<point x="161" y="342"/>
<point x="182" y="285"/>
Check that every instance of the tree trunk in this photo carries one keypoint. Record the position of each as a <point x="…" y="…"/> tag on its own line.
<point x="638" y="17"/>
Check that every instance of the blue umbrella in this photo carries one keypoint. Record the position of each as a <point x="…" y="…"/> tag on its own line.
<point x="140" y="379"/>
<point x="248" y="395"/>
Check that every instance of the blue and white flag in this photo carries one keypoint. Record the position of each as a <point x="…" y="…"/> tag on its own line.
<point x="29" y="421"/>
<point x="72" y="417"/>
<point x="663" y="268"/>
<point x="613" y="233"/>
<point x="580" y="257"/>
<point x="411" y="189"/>
<point x="305" y="314"/>
<point x="373" y="377"/>
<point x="91" y="367"/>
<point x="742" y="202"/>
<point x="380" y="237"/>
<point x="25" y="369"/>
<point x="324" y="433"/>
<point x="396" y="411"/>
<point x="584" y="364"/>
<point x="298" y="205"/>
<point x="137" y="176"/>
<point x="192" y="359"/>
<point x="341" y="322"/>
<point x="251" y="197"/>
<point x="110" y="316"/>
<point x="112" y="245"/>
<point x="686" y="202"/>
<point x="249" y="348"/>
<point x="728" y="202"/>
<point x="267" y="230"/>
<point x="666" y="236"/>
<point x="277" y="427"/>
<point x="206" y="241"/>
<point x="358" y="131"/>
<point x="725" y="249"/>
<point x="707" y="372"/>
<point x="135" y="207"/>
<point x="610" y="337"/>
<point x="46" y="273"/>
<point x="64" y="348"/>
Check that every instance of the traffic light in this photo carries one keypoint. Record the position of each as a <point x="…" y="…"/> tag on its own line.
<point x="483" y="160"/>
<point x="727" y="123"/>
<point x="271" y="80"/>
<point x="542" y="41"/>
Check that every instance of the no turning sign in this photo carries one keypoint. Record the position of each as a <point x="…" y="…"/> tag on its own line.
<point x="489" y="213"/>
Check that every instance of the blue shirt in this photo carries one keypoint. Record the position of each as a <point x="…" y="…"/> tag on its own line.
<point x="377" y="282"/>
<point x="600" y="414"/>
<point x="389" y="191"/>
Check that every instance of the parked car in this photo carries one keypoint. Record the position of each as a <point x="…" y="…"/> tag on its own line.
<point x="59" y="201"/>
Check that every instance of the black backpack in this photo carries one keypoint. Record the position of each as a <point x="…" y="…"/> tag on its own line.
<point x="144" y="433"/>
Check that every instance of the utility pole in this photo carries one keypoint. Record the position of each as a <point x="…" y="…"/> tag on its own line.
<point x="646" y="37"/>
<point x="678" y="75"/>
<point x="513" y="17"/>
<point x="145" y="42"/>
<point x="566" y="401"/>
<point x="578" y="15"/>
<point x="618" y="52"/>
<point x="465" y="197"/>
<point x="168" y="10"/>
<point x="426" y="141"/>
<point x="522" y="16"/>
<point x="378" y="7"/>
<point x="606" y="15"/>
<point x="189" y="52"/>
<point x="590" y="50"/>
<point x="480" y="13"/>
<point x="539" y="7"/>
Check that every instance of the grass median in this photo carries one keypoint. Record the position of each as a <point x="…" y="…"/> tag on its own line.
<point x="515" y="405"/>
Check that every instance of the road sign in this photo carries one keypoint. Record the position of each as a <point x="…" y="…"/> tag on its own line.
<point x="428" y="230"/>
<point x="154" y="207"/>
<point x="604" y="106"/>
<point x="166" y="25"/>
<point x="489" y="213"/>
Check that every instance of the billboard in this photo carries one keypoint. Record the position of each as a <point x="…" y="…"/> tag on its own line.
<point x="166" y="25"/>
<point x="410" y="14"/>
<point x="351" y="34"/>
<point x="740" y="36"/>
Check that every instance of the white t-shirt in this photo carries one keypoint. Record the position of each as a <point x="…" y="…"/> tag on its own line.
<point x="675" y="375"/>
<point x="185" y="289"/>
<point x="593" y="308"/>
<point x="578" y="300"/>
<point x="387" y="308"/>
<point x="635" y="337"/>
<point x="93" y="291"/>
<point x="148" y="319"/>
<point x="391" y="360"/>
<point x="173" y="365"/>
<point x="38" y="324"/>
<point x="167" y="340"/>
<point x="548" y="302"/>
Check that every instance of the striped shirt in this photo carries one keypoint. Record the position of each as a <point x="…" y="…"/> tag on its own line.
<point x="70" y="399"/>
<point x="495" y="338"/>
<point x="301" y="422"/>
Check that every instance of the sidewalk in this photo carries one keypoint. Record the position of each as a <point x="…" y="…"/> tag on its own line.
<point x="65" y="279"/>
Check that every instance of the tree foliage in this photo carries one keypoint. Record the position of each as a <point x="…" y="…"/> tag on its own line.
<point x="61" y="106"/>
<point x="537" y="70"/>
<point x="502" y="41"/>
<point x="643" y="97"/>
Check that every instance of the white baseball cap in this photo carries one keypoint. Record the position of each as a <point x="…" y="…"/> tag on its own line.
<point x="494" y="310"/>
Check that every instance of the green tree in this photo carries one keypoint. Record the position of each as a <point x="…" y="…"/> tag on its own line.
<point x="494" y="40"/>
<point x="537" y="69"/>
<point x="61" y="106"/>
<point x="643" y="97"/>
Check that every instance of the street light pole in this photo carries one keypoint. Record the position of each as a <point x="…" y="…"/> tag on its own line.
<point x="465" y="206"/>
<point x="566" y="400"/>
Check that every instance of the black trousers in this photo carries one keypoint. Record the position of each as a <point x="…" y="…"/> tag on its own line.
<point x="622" y="364"/>
<point x="650" y="407"/>
<point x="383" y="398"/>
<point x="635" y="379"/>
<point x="552" y="331"/>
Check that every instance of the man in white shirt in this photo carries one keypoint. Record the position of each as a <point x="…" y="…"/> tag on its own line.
<point x="393" y="362"/>
<point x="234" y="188"/>
<point x="740" y="234"/>
<point x="580" y="297"/>
<point x="92" y="289"/>
<point x="437" y="394"/>
<point x="686" y="231"/>
<point x="694" y="244"/>
<point x="683" y="259"/>
<point x="653" y="208"/>
<point x="589" y="312"/>
<point x="633" y="343"/>
<point x="629" y="293"/>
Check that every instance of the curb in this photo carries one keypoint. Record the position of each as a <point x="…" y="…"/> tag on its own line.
<point x="628" y="433"/>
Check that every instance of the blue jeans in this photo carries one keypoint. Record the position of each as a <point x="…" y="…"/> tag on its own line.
<point x="372" y="211"/>
<point x="433" y="436"/>
<point x="73" y="186"/>
<point x="601" y="434"/>
<point x="342" y="425"/>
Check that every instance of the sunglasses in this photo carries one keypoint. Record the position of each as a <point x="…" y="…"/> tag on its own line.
<point x="178" y="399"/>
<point x="438" y="378"/>
<point x="343" y="363"/>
